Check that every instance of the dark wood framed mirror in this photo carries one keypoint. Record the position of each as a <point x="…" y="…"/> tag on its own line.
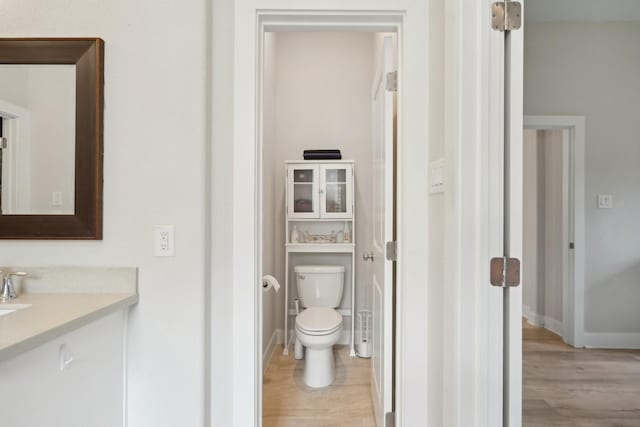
<point x="51" y="158"/>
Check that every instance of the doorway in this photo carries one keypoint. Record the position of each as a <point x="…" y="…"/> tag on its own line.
<point x="244" y="308"/>
<point x="553" y="225"/>
<point x="567" y="70"/>
<point x="543" y="259"/>
<point x="328" y="90"/>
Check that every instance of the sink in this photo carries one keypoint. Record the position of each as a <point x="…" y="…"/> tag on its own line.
<point x="10" y="308"/>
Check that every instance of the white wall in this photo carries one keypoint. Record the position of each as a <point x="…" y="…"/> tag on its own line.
<point x="322" y="99"/>
<point x="553" y="232"/>
<point x="533" y="226"/>
<point x="542" y="227"/>
<point x="582" y="11"/>
<point x="154" y="173"/>
<point x="591" y="70"/>
<point x="271" y="301"/>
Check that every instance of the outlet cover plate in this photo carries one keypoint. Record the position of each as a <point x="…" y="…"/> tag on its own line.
<point x="163" y="240"/>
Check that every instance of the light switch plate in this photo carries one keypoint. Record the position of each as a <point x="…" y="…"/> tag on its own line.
<point x="605" y="201"/>
<point x="56" y="198"/>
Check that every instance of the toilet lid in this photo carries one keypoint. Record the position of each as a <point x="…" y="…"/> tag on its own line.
<point x="319" y="319"/>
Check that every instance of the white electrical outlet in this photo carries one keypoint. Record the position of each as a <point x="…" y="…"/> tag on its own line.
<point x="163" y="243"/>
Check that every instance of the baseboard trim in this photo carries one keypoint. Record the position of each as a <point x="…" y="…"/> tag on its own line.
<point x="276" y="338"/>
<point x="553" y="325"/>
<point x="542" y="321"/>
<point x="533" y="318"/>
<point x="623" y="341"/>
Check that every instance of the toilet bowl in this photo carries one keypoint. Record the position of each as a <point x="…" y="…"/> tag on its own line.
<point x="318" y="329"/>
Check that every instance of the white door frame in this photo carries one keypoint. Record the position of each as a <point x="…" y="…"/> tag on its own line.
<point x="474" y="368"/>
<point x="251" y="17"/>
<point x="573" y="261"/>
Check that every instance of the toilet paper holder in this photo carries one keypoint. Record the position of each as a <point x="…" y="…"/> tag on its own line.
<point x="270" y="282"/>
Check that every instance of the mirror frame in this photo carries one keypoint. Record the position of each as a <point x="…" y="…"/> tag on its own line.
<point x="87" y="54"/>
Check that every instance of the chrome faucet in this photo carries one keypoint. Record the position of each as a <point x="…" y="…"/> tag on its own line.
<point x="8" y="290"/>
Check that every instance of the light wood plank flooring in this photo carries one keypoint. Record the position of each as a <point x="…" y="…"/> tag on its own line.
<point x="287" y="402"/>
<point x="569" y="387"/>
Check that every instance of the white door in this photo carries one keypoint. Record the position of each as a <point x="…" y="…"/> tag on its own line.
<point x="336" y="198"/>
<point x="383" y="165"/>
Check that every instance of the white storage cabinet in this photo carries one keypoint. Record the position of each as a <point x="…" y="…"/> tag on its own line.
<point x="320" y="205"/>
<point x="320" y="190"/>
<point x="75" y="380"/>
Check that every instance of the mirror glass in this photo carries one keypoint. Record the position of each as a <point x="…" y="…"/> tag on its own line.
<point x="37" y="125"/>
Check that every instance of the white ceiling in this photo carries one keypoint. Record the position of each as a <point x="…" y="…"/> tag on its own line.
<point x="581" y="10"/>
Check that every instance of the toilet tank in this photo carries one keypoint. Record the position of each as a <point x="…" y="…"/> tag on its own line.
<point x="320" y="285"/>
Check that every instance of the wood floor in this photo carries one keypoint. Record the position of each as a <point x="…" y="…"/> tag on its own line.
<point x="287" y="402"/>
<point x="566" y="387"/>
<point x="563" y="387"/>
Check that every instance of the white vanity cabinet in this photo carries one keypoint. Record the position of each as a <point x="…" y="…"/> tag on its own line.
<point x="75" y="380"/>
<point x="320" y="190"/>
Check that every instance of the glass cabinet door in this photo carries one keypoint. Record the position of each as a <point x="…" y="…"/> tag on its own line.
<point x="302" y="191"/>
<point x="335" y="191"/>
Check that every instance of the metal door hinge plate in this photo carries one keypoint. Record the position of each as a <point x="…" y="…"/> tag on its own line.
<point x="506" y="15"/>
<point x="3" y="142"/>
<point x="392" y="251"/>
<point x="505" y="272"/>
<point x="392" y="81"/>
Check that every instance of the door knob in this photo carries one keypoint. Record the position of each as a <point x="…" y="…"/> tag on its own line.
<point x="367" y="256"/>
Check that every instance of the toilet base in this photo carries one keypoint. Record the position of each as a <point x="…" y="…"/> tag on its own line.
<point x="319" y="367"/>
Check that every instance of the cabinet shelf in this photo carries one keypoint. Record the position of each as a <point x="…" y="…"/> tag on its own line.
<point x="321" y="247"/>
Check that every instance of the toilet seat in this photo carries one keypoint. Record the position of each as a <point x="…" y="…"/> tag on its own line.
<point x="318" y="321"/>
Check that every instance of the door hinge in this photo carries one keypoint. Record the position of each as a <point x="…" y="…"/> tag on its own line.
<point x="390" y="419"/>
<point x="572" y="245"/>
<point x="392" y="251"/>
<point x="392" y="81"/>
<point x="3" y="143"/>
<point x="506" y="15"/>
<point x="505" y="272"/>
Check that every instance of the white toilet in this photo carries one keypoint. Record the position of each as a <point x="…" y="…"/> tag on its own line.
<point x="318" y="327"/>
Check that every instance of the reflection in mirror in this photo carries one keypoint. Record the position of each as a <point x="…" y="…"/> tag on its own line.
<point x="37" y="126"/>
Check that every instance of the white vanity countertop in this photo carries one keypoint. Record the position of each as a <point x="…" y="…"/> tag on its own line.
<point x="52" y="315"/>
